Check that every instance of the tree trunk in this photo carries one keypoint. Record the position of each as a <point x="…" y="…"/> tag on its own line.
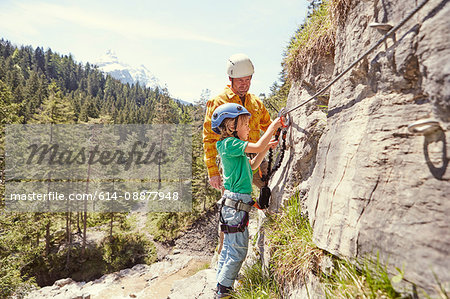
<point x="111" y="226"/>
<point x="3" y="169"/>
<point x="159" y="160"/>
<point x="36" y="220"/>
<point x="78" y="223"/>
<point x="83" y="246"/>
<point x="47" y="238"/>
<point x="69" y="237"/>
<point x="67" y="227"/>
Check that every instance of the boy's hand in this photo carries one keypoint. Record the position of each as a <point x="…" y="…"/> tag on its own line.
<point x="272" y="144"/>
<point x="276" y="123"/>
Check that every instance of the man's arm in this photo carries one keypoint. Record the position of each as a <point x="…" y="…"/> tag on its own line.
<point x="209" y="143"/>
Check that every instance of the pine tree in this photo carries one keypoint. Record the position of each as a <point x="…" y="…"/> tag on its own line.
<point x="8" y="109"/>
<point x="55" y="109"/>
<point x="41" y="60"/>
<point x="9" y="112"/>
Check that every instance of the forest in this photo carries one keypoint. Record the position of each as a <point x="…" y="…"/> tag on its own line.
<point x="40" y="86"/>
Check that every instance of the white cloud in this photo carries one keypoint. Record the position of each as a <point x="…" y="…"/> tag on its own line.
<point x="39" y="13"/>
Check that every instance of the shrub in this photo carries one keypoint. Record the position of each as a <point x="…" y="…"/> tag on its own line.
<point x="11" y="280"/>
<point x="127" y="250"/>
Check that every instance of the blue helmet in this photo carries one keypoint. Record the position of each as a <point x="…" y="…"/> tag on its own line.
<point x="228" y="110"/>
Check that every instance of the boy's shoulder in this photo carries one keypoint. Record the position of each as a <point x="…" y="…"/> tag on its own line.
<point x="230" y="143"/>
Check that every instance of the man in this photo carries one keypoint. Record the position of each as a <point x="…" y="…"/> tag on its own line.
<point x="240" y="70"/>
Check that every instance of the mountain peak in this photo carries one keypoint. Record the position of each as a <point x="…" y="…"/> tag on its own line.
<point x="109" y="63"/>
<point x="110" y="56"/>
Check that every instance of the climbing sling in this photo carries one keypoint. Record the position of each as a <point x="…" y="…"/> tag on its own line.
<point x="265" y="193"/>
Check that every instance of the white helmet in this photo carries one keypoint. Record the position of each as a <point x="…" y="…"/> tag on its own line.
<point x="239" y="65"/>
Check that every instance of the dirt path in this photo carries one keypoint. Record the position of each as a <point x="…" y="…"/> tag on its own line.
<point x="141" y="219"/>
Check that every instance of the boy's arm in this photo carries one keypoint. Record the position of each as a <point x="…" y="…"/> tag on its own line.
<point x="256" y="161"/>
<point x="264" y="140"/>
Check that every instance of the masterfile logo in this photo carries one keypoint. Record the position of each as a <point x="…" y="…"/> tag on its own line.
<point x="98" y="167"/>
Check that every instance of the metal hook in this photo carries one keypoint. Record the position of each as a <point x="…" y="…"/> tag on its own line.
<point x="381" y="26"/>
<point x="424" y="126"/>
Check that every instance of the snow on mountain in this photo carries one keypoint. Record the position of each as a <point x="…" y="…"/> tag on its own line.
<point x="109" y="63"/>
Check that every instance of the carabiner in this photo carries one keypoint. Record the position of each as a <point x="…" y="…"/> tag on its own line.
<point x="285" y="119"/>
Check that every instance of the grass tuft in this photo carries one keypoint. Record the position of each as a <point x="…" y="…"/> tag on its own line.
<point x="360" y="279"/>
<point x="258" y="283"/>
<point x="316" y="37"/>
<point x="312" y="40"/>
<point x="340" y="9"/>
<point x="294" y="256"/>
<point x="293" y="253"/>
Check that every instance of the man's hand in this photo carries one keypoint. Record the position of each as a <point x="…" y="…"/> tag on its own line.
<point x="216" y="182"/>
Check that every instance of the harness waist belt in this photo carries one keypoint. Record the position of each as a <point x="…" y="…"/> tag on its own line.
<point x="230" y="229"/>
<point x="236" y="204"/>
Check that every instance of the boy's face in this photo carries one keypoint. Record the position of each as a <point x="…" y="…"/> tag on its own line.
<point x="243" y="127"/>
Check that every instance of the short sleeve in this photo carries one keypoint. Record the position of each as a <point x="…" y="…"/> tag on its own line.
<point x="234" y="147"/>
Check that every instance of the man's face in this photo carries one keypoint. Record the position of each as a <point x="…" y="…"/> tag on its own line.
<point x="241" y="85"/>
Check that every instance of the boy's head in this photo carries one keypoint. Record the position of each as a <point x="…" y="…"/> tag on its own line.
<point x="236" y="127"/>
<point x="231" y="120"/>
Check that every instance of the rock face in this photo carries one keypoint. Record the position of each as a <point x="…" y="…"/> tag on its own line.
<point x="369" y="184"/>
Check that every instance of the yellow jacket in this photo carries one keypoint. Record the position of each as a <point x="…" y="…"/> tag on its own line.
<point x="260" y="120"/>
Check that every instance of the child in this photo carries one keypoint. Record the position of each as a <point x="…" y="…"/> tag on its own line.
<point x="231" y="121"/>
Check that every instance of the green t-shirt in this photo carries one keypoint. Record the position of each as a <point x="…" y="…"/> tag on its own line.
<point x="237" y="172"/>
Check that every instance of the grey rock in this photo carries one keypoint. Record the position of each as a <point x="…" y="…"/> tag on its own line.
<point x="62" y="282"/>
<point x="201" y="285"/>
<point x="368" y="184"/>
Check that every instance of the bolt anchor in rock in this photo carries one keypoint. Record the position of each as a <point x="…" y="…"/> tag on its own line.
<point x="381" y="26"/>
<point x="424" y="126"/>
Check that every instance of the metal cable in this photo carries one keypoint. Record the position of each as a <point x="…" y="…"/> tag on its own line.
<point x="390" y="32"/>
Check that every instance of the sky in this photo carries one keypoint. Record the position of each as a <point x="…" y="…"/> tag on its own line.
<point x="185" y="44"/>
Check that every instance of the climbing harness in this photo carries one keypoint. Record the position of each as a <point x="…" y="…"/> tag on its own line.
<point x="238" y="205"/>
<point x="284" y="113"/>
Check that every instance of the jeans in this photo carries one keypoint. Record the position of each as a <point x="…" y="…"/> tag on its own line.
<point x="235" y="245"/>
